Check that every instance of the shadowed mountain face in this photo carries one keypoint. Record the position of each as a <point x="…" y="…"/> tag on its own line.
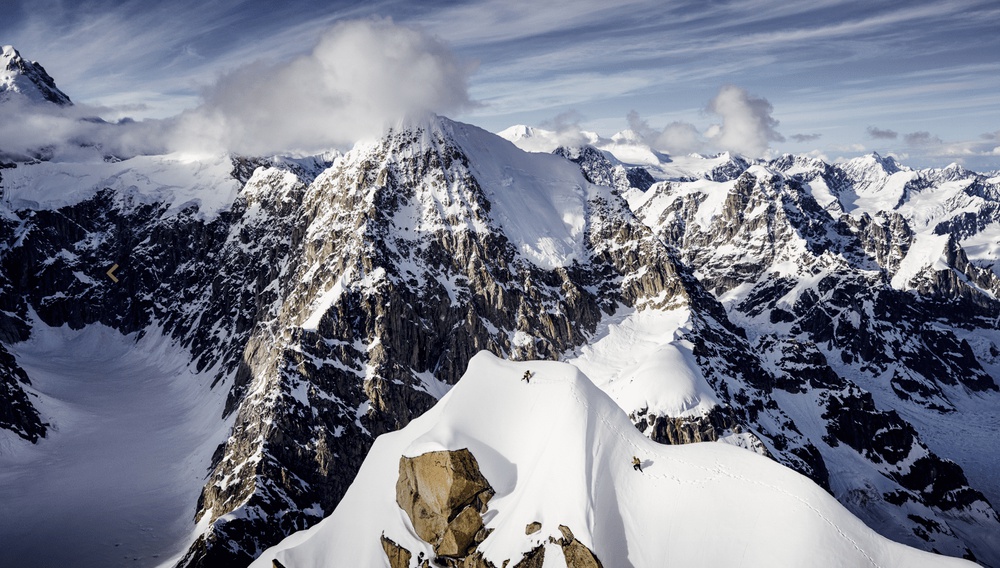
<point x="820" y="315"/>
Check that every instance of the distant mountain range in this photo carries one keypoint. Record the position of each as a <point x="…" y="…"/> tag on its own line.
<point x="840" y="319"/>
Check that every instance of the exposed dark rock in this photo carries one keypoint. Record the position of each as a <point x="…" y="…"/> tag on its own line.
<point x="534" y="558"/>
<point x="599" y="169"/>
<point x="576" y="554"/>
<point x="17" y="414"/>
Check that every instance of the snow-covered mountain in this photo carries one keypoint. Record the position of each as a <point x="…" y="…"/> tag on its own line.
<point x="840" y="319"/>
<point x="22" y="78"/>
<point x="558" y="488"/>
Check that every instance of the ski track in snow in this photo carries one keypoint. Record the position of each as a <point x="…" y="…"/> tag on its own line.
<point x="116" y="480"/>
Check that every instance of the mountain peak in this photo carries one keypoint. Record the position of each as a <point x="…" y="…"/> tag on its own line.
<point x="27" y="79"/>
<point x="887" y="163"/>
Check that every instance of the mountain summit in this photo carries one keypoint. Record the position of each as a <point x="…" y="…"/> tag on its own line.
<point x="27" y="79"/>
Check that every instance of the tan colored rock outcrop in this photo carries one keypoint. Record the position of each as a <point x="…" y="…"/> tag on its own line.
<point x="444" y="494"/>
<point x="398" y="556"/>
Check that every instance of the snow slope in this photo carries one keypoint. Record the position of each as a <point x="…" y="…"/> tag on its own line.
<point x="539" y="199"/>
<point x="559" y="451"/>
<point x="177" y="179"/>
<point x="642" y="360"/>
<point x="116" y="480"/>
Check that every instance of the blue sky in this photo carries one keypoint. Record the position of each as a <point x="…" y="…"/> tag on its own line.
<point x="918" y="79"/>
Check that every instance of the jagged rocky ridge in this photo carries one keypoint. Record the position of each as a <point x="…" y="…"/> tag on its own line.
<point x="855" y="338"/>
<point x="339" y="304"/>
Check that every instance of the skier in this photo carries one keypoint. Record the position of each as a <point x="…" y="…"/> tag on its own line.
<point x="527" y="376"/>
<point x="636" y="464"/>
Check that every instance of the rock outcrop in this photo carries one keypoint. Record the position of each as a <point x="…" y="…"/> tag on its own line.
<point x="17" y="414"/>
<point x="445" y="495"/>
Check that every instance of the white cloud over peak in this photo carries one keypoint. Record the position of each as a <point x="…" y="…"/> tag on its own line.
<point x="747" y="125"/>
<point x="363" y="75"/>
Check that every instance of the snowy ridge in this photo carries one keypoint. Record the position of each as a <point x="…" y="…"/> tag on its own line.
<point x="573" y="467"/>
<point x="643" y="362"/>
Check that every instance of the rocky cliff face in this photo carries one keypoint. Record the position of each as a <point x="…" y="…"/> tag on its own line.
<point x="340" y="301"/>
<point x="18" y="414"/>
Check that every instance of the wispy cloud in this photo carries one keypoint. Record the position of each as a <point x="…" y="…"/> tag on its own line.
<point x="805" y="137"/>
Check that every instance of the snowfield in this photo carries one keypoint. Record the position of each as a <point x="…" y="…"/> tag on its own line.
<point x="116" y="480"/>
<point x="178" y="179"/>
<point x="557" y="451"/>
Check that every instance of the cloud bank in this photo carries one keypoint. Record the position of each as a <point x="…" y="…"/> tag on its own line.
<point x="31" y="130"/>
<point x="747" y="127"/>
<point x="362" y="76"/>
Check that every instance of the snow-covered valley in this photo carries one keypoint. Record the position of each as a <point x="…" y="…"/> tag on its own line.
<point x="132" y="431"/>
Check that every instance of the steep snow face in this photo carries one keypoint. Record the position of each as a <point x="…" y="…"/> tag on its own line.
<point x="539" y="200"/>
<point x="572" y="465"/>
<point x="27" y="79"/>
<point x="132" y="427"/>
<point x="927" y="252"/>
